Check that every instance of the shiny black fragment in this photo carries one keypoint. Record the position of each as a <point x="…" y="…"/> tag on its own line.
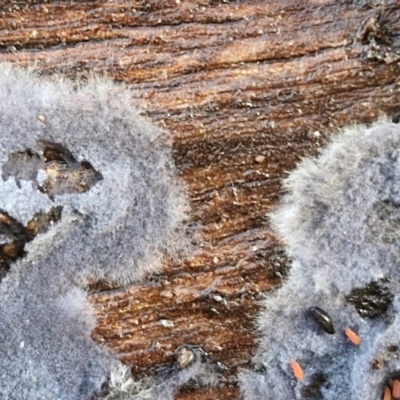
<point x="323" y="319"/>
<point x="371" y="301"/>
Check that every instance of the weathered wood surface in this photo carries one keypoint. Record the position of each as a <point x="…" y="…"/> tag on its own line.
<point x="247" y="88"/>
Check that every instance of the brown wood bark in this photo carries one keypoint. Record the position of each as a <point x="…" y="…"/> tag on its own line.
<point x="247" y="88"/>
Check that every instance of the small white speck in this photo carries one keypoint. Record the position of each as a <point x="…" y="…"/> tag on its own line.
<point x="166" y="323"/>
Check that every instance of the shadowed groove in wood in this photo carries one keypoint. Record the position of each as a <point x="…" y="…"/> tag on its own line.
<point x="232" y="81"/>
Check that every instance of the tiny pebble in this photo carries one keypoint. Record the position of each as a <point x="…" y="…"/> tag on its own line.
<point x="260" y="159"/>
<point x="185" y="357"/>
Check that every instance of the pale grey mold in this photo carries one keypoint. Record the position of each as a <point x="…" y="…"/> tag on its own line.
<point x="133" y="213"/>
<point x="340" y="222"/>
<point x="46" y="351"/>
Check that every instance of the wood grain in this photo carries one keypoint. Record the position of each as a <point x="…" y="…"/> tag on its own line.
<point x="247" y="88"/>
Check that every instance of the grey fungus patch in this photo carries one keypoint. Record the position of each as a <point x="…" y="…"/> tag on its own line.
<point x="339" y="220"/>
<point x="112" y="171"/>
<point x="89" y="191"/>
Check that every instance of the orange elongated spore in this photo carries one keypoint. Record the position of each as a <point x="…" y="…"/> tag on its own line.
<point x="387" y="394"/>
<point x="396" y="389"/>
<point x="352" y="336"/>
<point x="297" y="370"/>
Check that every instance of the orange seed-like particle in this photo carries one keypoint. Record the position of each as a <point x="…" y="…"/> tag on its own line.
<point x="297" y="370"/>
<point x="352" y="336"/>
<point x="387" y="395"/>
<point x="396" y="389"/>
